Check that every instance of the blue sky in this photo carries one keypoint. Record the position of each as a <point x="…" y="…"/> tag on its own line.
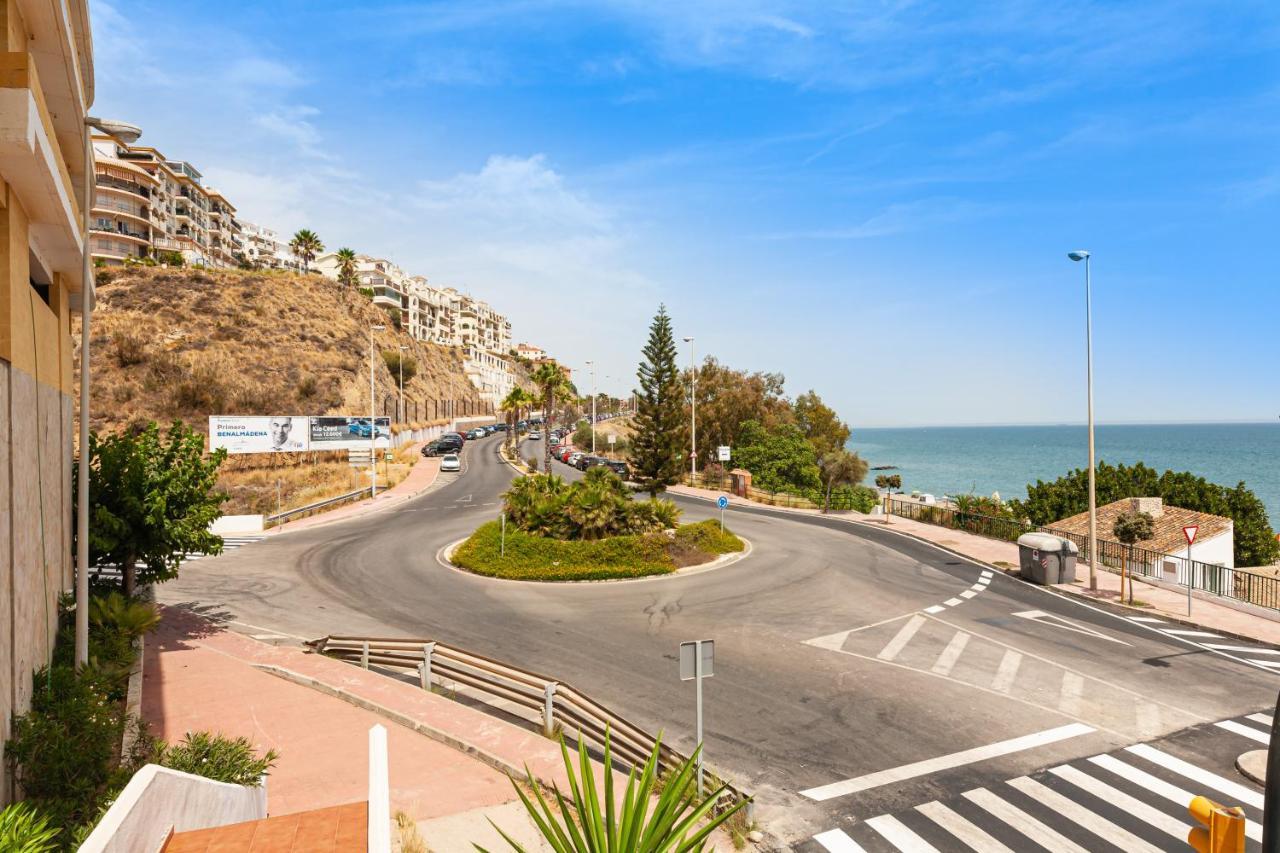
<point x="874" y="198"/>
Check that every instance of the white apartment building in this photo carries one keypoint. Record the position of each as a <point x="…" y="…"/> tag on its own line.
<point x="264" y="249"/>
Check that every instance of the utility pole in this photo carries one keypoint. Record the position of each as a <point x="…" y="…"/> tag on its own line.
<point x="373" y="420"/>
<point x="592" y="365"/>
<point x="1082" y="255"/>
<point x="400" y="410"/>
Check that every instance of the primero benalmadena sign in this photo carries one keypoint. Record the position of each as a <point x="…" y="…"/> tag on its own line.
<point x="295" y="433"/>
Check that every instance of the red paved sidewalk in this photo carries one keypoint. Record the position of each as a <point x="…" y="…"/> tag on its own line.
<point x="1166" y="603"/>
<point x="200" y="677"/>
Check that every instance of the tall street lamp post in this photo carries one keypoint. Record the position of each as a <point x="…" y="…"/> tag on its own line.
<point x="592" y="365"/>
<point x="1082" y="255"/>
<point x="373" y="419"/>
<point x="693" y="413"/>
<point x="125" y="134"/>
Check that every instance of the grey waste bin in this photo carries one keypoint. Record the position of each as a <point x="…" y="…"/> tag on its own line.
<point x="1046" y="559"/>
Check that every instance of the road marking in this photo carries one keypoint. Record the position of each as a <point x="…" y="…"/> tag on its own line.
<point x="899" y="836"/>
<point x="1119" y="798"/>
<point x="1249" y="649"/>
<point x="1179" y="632"/>
<point x="968" y="593"/>
<point x="952" y="602"/>
<point x="1148" y="719"/>
<point x="1066" y="625"/>
<point x="1081" y="816"/>
<point x="837" y="841"/>
<point x="1072" y="690"/>
<point x="899" y="642"/>
<point x="1148" y="619"/>
<point x="1190" y="771"/>
<point x="1267" y="663"/>
<point x="951" y="653"/>
<point x="1158" y="786"/>
<point x="946" y="762"/>
<point x="986" y="573"/>
<point x="1265" y="719"/>
<point x="832" y="641"/>
<point x="1007" y="672"/>
<point x="937" y="608"/>
<point x="962" y="829"/>
<point x="984" y="580"/>
<point x="1023" y="822"/>
<point x="1245" y="731"/>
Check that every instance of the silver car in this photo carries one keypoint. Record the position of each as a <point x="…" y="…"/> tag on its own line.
<point x="450" y="462"/>
<point x="574" y="457"/>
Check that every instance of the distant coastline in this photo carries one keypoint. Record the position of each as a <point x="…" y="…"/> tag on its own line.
<point x="959" y="459"/>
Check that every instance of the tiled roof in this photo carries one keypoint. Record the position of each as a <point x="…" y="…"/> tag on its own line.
<point x="1168" y="537"/>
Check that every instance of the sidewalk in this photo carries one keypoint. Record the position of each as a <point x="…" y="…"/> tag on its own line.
<point x="421" y="477"/>
<point x="1166" y="603"/>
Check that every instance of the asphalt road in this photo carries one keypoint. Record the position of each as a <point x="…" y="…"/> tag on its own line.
<point x="842" y="649"/>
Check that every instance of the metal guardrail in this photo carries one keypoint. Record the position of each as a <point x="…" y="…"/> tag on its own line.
<point x="303" y="510"/>
<point x="560" y="706"/>
<point x="1238" y="584"/>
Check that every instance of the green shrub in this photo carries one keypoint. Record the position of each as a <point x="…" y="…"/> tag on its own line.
<point x="706" y="536"/>
<point x="23" y="829"/>
<point x="595" y="507"/>
<point x="531" y="557"/>
<point x="218" y="757"/>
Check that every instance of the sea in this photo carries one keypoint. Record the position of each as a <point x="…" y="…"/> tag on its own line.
<point x="1005" y="459"/>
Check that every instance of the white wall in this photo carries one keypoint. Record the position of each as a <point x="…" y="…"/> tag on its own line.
<point x="1218" y="550"/>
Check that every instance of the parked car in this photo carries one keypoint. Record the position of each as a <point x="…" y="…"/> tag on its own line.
<point x="574" y="457"/>
<point x="589" y="461"/>
<point x="565" y="453"/>
<point x="434" y="448"/>
<point x="619" y="467"/>
<point x="478" y="432"/>
<point x="499" y="427"/>
<point x="534" y="435"/>
<point x="451" y="462"/>
<point x="457" y="435"/>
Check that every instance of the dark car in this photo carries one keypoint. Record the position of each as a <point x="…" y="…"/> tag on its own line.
<point x="586" y="461"/>
<point x="477" y="432"/>
<point x="433" y="448"/>
<point x="499" y="427"/>
<point x="459" y="436"/>
<point x="619" y="467"/>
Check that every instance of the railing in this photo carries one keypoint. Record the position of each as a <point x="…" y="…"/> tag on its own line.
<point x="1238" y="584"/>
<point x="559" y="706"/>
<point x="298" y="512"/>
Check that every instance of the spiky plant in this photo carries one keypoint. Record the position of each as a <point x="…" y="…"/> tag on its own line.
<point x="25" y="830"/>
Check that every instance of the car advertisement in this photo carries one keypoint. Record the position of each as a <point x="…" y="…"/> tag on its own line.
<point x="257" y="434"/>
<point x="336" y="432"/>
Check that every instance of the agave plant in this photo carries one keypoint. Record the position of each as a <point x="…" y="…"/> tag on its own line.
<point x="116" y="612"/>
<point x="644" y="821"/>
<point x="25" y="830"/>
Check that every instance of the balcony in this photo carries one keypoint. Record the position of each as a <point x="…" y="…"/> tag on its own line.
<point x="108" y="182"/>
<point x="119" y="229"/>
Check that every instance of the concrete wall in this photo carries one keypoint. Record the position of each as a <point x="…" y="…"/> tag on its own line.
<point x="158" y="800"/>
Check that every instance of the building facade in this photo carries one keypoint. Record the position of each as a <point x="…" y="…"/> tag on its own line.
<point x="46" y="87"/>
<point x="264" y="249"/>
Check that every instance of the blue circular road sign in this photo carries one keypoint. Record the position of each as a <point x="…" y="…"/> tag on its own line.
<point x="722" y="502"/>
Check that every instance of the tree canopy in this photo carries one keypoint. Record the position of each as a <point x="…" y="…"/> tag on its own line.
<point x="657" y="448"/>
<point x="819" y="423"/>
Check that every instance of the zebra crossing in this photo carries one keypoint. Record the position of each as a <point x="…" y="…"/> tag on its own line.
<point x="931" y="645"/>
<point x="1132" y="799"/>
<point x="229" y="544"/>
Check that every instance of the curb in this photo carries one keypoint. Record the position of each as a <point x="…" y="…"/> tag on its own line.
<point x="438" y="735"/>
<point x="1253" y="766"/>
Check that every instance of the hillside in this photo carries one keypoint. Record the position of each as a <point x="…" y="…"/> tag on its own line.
<point x="187" y="343"/>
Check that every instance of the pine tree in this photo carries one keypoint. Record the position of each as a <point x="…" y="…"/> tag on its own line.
<point x="656" y="449"/>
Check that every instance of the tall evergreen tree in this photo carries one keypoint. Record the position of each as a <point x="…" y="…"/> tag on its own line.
<point x="656" y="449"/>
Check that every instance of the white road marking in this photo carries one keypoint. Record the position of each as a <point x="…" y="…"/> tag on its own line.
<point x="968" y="593"/>
<point x="1158" y="786"/>
<point x="899" y="836"/>
<point x="978" y="587"/>
<point x="1267" y="663"/>
<point x="986" y="573"/>
<point x="1245" y="731"/>
<point x="900" y="640"/>
<point x="1069" y="697"/>
<point x="937" y="608"/>
<point x="1148" y="716"/>
<point x="1081" y="816"/>
<point x="1066" y="625"/>
<point x="1179" y="632"/>
<point x="947" y="660"/>
<point x="1204" y="777"/>
<point x="1007" y="672"/>
<point x="1265" y="719"/>
<point x="1116" y="797"/>
<point x="946" y="762"/>
<point x="837" y="841"/>
<point x="984" y="580"/>
<point x="1148" y="619"/>
<point x="1248" y="649"/>
<point x="1023" y="822"/>
<point x="962" y="829"/>
<point x="952" y="602"/>
<point x="832" y="641"/>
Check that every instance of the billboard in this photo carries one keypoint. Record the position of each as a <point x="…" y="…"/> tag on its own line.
<point x="337" y="432"/>
<point x="257" y="434"/>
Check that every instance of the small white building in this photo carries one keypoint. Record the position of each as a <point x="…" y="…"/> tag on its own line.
<point x="1215" y="536"/>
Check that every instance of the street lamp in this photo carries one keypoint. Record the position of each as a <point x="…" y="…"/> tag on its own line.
<point x="400" y="409"/>
<point x="1082" y="255"/>
<point x="592" y="365"/>
<point x="693" y="413"/>
<point x="373" y="419"/>
<point x="125" y="134"/>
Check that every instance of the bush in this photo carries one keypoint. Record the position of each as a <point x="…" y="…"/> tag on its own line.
<point x="130" y="350"/>
<point x="396" y="360"/>
<point x="595" y="507"/>
<point x="23" y="829"/>
<point x="218" y="757"/>
<point x="706" y="536"/>
<point x="530" y="557"/>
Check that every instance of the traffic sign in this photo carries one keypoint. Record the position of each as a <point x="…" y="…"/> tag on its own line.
<point x="1190" y="532"/>
<point x="613" y="439"/>
<point x="688" y="659"/>
<point x="722" y="453"/>
<point x="722" y="501"/>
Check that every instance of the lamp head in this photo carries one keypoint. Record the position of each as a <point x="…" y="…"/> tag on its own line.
<point x="122" y="132"/>
<point x="689" y="340"/>
<point x="1078" y="255"/>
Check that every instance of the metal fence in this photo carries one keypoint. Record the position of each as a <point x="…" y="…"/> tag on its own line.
<point x="299" y="512"/>
<point x="560" y="706"/>
<point x="1238" y="584"/>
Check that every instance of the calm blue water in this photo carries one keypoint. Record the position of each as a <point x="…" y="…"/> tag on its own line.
<point x="955" y="460"/>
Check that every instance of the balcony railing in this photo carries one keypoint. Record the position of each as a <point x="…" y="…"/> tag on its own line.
<point x="118" y="228"/>
<point x="115" y="183"/>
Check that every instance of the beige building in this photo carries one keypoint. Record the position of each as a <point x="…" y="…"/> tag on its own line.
<point x="264" y="249"/>
<point x="46" y="86"/>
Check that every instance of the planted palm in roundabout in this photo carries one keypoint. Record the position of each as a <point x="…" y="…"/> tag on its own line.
<point x="592" y="529"/>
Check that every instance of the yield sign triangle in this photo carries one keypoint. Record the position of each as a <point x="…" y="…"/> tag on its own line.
<point x="1190" y="532"/>
<point x="1066" y="625"/>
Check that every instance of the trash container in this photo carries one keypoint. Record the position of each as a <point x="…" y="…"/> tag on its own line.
<point x="1046" y="559"/>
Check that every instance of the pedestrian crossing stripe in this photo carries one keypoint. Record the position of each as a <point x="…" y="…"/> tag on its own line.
<point x="1134" y="799"/>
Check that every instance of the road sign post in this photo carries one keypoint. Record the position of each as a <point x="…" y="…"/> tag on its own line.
<point x="1190" y="532"/>
<point x="722" y="502"/>
<point x="722" y="453"/>
<point x="697" y="661"/>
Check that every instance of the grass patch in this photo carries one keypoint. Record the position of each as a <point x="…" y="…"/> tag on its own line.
<point x="540" y="558"/>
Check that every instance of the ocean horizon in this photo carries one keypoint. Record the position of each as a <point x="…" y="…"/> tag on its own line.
<point x="951" y="460"/>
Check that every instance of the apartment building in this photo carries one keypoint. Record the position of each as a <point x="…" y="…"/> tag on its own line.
<point x="226" y="239"/>
<point x="264" y="248"/>
<point x="46" y="87"/>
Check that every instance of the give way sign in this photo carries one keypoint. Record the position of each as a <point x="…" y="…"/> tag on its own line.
<point x="1190" y="532"/>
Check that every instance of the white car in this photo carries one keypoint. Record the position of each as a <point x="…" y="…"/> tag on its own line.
<point x="450" y="462"/>
<point x="535" y="435"/>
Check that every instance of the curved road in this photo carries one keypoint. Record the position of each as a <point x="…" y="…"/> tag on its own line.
<point x="842" y="649"/>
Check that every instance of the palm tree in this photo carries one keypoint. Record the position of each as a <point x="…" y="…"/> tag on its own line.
<point x="552" y="382"/>
<point x="517" y="400"/>
<point x="306" y="245"/>
<point x="346" y="266"/>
